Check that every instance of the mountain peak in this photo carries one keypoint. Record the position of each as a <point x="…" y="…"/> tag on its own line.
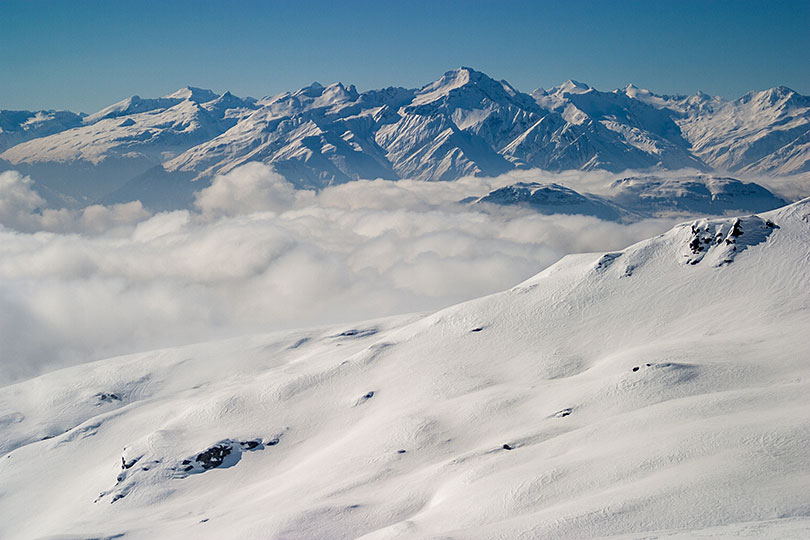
<point x="462" y="77"/>
<point x="227" y="100"/>
<point x="336" y="92"/>
<point x="572" y="87"/>
<point x="313" y="90"/>
<point x="769" y="97"/>
<point x="191" y="93"/>
<point x="631" y="90"/>
<point x="131" y="105"/>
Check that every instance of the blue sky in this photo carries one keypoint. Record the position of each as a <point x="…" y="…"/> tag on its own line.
<point x="83" y="55"/>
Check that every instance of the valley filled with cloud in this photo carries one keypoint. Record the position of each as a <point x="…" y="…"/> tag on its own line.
<point x="254" y="255"/>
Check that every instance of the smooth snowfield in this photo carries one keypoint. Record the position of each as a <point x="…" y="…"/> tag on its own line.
<point x="662" y="388"/>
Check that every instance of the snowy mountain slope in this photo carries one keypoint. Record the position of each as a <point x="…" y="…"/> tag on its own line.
<point x="762" y="132"/>
<point x="765" y="132"/>
<point x="661" y="388"/>
<point x="316" y="136"/>
<point x="458" y="125"/>
<point x="124" y="140"/>
<point x="641" y="135"/>
<point x="464" y="123"/>
<point x="151" y="127"/>
<point x="695" y="195"/>
<point x="19" y="126"/>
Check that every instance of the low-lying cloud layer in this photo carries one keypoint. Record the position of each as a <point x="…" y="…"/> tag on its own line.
<point x="255" y="255"/>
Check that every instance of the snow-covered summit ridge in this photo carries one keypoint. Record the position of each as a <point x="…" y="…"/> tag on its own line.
<point x="464" y="123"/>
<point x="613" y="394"/>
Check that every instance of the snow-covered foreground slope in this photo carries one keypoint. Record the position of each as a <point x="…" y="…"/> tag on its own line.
<point x="661" y="388"/>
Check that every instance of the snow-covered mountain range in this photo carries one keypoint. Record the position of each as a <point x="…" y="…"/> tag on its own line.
<point x="465" y="123"/>
<point x="654" y="392"/>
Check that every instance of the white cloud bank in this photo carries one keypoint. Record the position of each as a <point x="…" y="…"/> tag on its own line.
<point x="256" y="255"/>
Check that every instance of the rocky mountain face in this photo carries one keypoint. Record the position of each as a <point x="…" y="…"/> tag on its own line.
<point x="465" y="123"/>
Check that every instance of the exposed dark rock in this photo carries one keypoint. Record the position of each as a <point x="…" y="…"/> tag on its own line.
<point x="104" y="397"/>
<point x="563" y="413"/>
<point x="365" y="397"/>
<point x="507" y="447"/>
<point x="251" y="445"/>
<point x="636" y="368"/>
<point x="606" y="260"/>
<point x="736" y="229"/>
<point x="400" y="451"/>
<point x="225" y="453"/>
<point x="214" y="456"/>
<point x="694" y="245"/>
<point x="357" y="333"/>
<point x="478" y="329"/>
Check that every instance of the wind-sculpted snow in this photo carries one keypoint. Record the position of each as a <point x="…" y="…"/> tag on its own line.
<point x="585" y="402"/>
<point x="464" y="123"/>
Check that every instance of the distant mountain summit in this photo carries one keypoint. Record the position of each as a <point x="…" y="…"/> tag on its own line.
<point x="464" y="123"/>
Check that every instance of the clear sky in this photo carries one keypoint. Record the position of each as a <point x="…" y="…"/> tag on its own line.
<point x="83" y="55"/>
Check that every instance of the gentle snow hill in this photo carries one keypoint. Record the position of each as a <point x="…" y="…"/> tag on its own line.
<point x="702" y="194"/>
<point x="554" y="199"/>
<point x="660" y="388"/>
<point x="634" y="198"/>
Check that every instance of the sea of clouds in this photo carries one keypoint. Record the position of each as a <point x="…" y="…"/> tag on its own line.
<point x="255" y="255"/>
